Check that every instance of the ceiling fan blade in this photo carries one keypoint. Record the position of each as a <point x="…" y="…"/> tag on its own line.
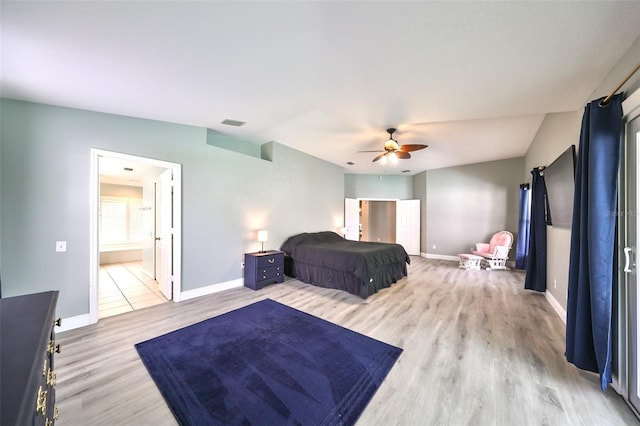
<point x="412" y="147"/>
<point x="403" y="155"/>
<point x="379" y="157"/>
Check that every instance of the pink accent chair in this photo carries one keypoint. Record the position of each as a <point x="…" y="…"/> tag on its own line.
<point x="496" y="252"/>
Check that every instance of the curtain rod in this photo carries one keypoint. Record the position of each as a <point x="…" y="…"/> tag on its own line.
<point x="606" y="100"/>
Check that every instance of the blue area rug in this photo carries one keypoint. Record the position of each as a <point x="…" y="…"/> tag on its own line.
<point x="267" y="364"/>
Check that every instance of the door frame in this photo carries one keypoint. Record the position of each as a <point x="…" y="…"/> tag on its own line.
<point x="395" y="200"/>
<point x="627" y="345"/>
<point x="94" y="228"/>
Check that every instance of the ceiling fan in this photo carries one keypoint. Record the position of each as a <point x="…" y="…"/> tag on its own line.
<point x="393" y="151"/>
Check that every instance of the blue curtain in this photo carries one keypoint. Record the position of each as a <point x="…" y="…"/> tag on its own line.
<point x="536" y="264"/>
<point x="591" y="263"/>
<point x="522" y="246"/>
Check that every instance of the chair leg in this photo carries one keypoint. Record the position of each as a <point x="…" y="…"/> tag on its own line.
<point x="497" y="264"/>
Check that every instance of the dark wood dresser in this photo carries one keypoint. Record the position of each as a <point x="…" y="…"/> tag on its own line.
<point x="27" y="346"/>
<point x="263" y="268"/>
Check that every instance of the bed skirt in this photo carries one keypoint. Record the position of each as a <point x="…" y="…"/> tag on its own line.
<point x="382" y="277"/>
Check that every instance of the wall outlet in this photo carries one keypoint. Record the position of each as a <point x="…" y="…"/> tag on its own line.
<point x="61" y="246"/>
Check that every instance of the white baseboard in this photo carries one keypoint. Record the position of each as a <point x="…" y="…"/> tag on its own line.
<point x="510" y="263"/>
<point x="73" y="323"/>
<point x="210" y="289"/>
<point x="562" y="313"/>
<point x="84" y="320"/>
<point x="441" y="257"/>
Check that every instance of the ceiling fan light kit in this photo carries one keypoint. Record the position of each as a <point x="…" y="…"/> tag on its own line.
<point x="393" y="151"/>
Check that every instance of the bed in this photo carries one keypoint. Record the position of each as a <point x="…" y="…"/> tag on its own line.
<point x="325" y="259"/>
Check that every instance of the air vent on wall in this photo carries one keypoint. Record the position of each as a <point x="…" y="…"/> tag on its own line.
<point x="236" y="123"/>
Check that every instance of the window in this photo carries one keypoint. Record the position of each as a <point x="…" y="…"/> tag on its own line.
<point x="120" y="221"/>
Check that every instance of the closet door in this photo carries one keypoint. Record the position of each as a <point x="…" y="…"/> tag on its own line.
<point x="352" y="218"/>
<point x="408" y="225"/>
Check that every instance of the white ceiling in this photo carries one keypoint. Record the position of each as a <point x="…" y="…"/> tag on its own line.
<point x="473" y="80"/>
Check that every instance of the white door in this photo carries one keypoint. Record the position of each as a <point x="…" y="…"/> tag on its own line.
<point x="408" y="225"/>
<point x="352" y="218"/>
<point x="164" y="233"/>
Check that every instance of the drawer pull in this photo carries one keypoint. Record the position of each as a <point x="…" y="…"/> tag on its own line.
<point x="51" y="378"/>
<point x="48" y="422"/>
<point x="56" y="413"/>
<point x="271" y="260"/>
<point x="53" y="347"/>
<point x="41" y="402"/>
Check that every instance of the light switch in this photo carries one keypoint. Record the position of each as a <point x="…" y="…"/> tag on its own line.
<point x="61" y="246"/>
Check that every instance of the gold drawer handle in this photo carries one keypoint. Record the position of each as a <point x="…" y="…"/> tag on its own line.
<point x="55" y="412"/>
<point x="48" y="422"/>
<point x="51" y="378"/>
<point x="41" y="402"/>
<point x="53" y="347"/>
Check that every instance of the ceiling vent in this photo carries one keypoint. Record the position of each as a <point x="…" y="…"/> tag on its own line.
<point x="236" y="123"/>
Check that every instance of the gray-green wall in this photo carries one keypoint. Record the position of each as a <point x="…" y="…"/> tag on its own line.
<point x="556" y="133"/>
<point x="468" y="204"/>
<point x="420" y="193"/>
<point x="44" y="176"/>
<point x="459" y="206"/>
<point x="380" y="186"/>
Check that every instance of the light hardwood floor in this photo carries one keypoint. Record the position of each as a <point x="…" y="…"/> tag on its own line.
<point x="478" y="350"/>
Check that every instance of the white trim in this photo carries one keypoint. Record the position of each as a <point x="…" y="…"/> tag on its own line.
<point x="94" y="250"/>
<point x="177" y="232"/>
<point x="72" y="323"/>
<point x="94" y="199"/>
<point x="379" y="199"/>
<point x="631" y="105"/>
<point x="562" y="313"/>
<point x="510" y="263"/>
<point x="442" y="257"/>
<point x="210" y="289"/>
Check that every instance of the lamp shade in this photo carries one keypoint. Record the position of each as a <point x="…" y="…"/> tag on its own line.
<point x="263" y="235"/>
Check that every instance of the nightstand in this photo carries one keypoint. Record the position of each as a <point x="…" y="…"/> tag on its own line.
<point x="261" y="269"/>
